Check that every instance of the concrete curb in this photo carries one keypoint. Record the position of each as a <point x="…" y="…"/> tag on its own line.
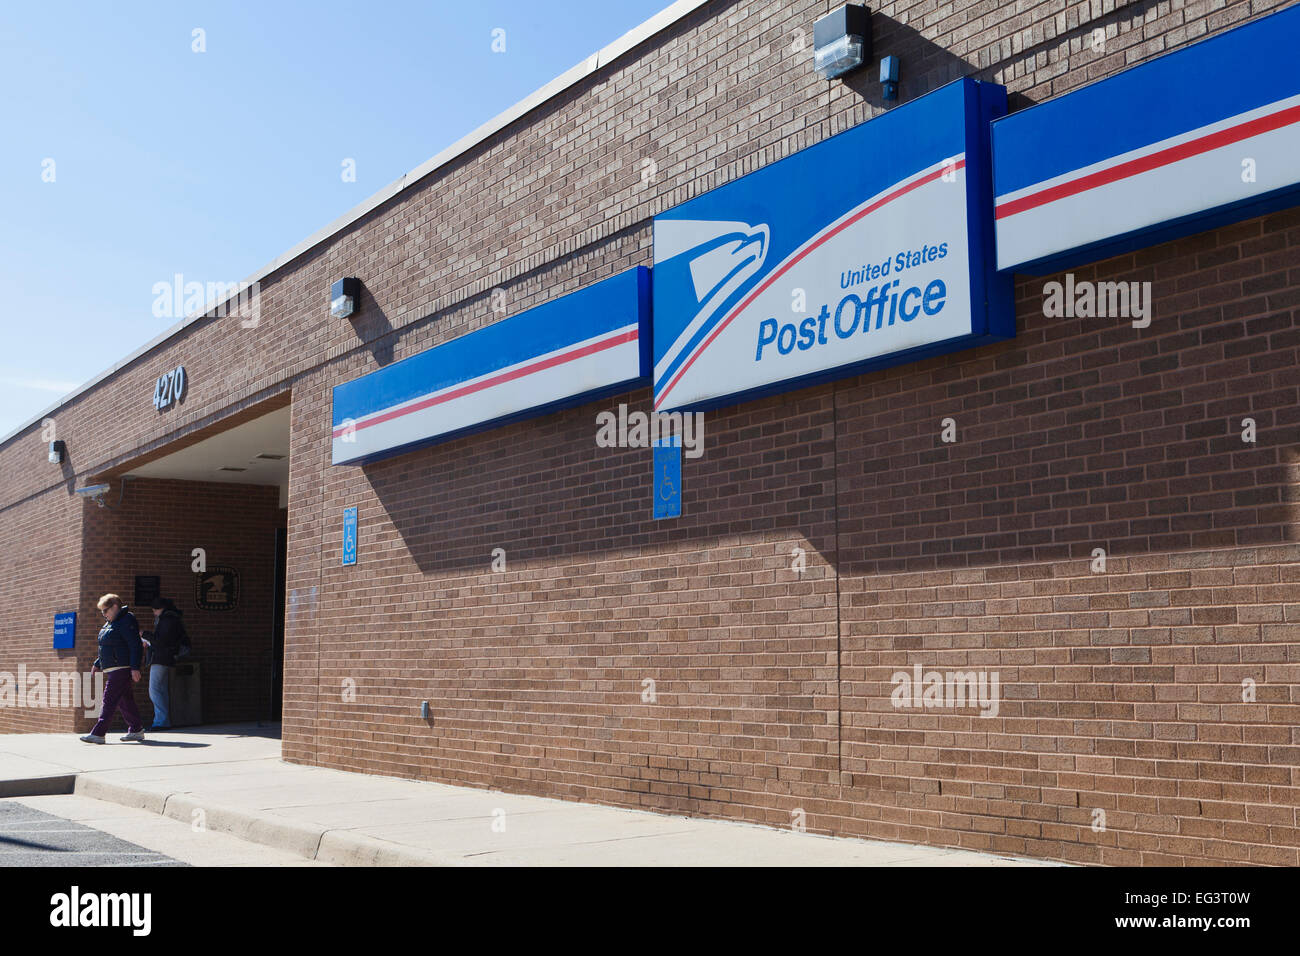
<point x="51" y="786"/>
<point x="348" y="848"/>
<point x="88" y="786"/>
<point x="264" y="828"/>
<point x="339" y="847"/>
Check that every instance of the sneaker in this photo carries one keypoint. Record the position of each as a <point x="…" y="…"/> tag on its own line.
<point x="156" y="727"/>
<point x="134" y="735"/>
<point x="92" y="739"/>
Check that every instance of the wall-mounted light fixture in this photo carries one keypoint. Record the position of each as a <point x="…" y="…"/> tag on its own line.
<point x="889" y="77"/>
<point x="343" y="298"/>
<point x="58" y="452"/>
<point x="95" y="493"/>
<point x="842" y="40"/>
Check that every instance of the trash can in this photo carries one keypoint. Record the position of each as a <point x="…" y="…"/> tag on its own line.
<point x="186" y="708"/>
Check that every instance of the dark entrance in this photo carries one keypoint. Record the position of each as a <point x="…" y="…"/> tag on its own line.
<point x="277" y="622"/>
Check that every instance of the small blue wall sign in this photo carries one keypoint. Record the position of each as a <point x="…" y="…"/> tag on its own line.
<point x="349" y="536"/>
<point x="65" y="630"/>
<point x="668" y="478"/>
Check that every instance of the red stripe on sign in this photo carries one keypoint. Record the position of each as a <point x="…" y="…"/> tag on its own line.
<point x="1142" y="164"/>
<point x="900" y="191"/>
<point x="542" y="365"/>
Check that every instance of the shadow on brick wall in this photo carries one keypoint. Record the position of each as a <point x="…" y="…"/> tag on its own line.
<point x="1080" y="433"/>
<point x="923" y="66"/>
<point x="371" y="324"/>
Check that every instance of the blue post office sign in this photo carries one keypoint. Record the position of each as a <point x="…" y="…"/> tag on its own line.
<point x="870" y="249"/>
<point x="65" y="630"/>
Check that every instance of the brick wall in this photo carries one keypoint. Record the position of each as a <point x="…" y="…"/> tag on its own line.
<point x="1121" y="691"/>
<point x="39" y="577"/>
<point x="771" y="687"/>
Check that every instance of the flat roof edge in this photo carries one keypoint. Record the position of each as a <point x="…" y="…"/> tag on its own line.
<point x="570" y="77"/>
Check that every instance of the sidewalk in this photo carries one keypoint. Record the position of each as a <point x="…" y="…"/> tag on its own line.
<point x="231" y="779"/>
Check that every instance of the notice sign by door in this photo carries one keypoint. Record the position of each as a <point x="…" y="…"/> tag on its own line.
<point x="65" y="630"/>
<point x="218" y="590"/>
<point x="148" y="587"/>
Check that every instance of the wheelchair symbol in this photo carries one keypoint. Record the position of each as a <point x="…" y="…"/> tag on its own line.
<point x="667" y="490"/>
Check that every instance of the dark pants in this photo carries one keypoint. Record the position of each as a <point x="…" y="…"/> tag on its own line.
<point x="118" y="693"/>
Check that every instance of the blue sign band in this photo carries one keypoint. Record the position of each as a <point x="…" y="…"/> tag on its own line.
<point x="1196" y="138"/>
<point x="591" y="343"/>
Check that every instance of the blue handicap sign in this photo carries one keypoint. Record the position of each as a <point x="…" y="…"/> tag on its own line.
<point x="668" y="478"/>
<point x="65" y="630"/>
<point x="350" y="536"/>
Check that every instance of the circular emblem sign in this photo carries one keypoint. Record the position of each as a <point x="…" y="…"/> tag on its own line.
<point x="218" y="589"/>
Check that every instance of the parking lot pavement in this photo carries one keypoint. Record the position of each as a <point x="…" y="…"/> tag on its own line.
<point x="29" y="837"/>
<point x="28" y="824"/>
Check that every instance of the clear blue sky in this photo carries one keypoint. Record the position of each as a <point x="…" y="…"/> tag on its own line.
<point x="211" y="164"/>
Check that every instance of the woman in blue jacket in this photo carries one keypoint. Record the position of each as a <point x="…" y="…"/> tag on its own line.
<point x="119" y="658"/>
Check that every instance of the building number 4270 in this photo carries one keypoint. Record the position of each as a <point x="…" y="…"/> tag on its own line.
<point x="169" y="388"/>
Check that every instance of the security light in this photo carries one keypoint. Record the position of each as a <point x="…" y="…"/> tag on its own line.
<point x="96" y="492"/>
<point x="343" y="298"/>
<point x="842" y="40"/>
<point x="889" y="77"/>
<point x="58" y="451"/>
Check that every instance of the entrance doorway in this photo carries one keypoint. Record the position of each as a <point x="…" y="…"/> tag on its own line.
<point x="206" y="525"/>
